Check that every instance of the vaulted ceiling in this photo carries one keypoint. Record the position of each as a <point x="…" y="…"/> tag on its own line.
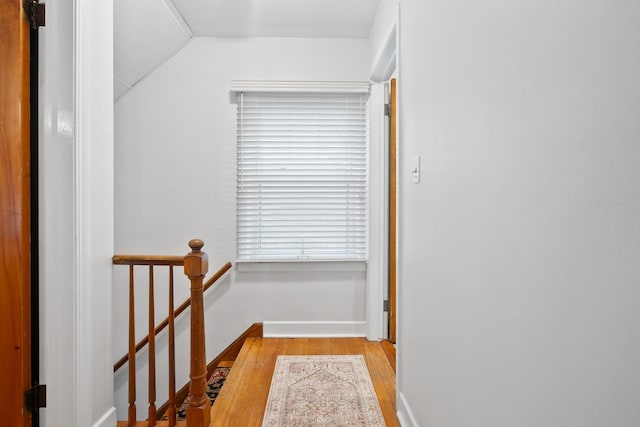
<point x="148" y="32"/>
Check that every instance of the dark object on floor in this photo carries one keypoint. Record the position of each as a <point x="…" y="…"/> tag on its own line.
<point x="213" y="389"/>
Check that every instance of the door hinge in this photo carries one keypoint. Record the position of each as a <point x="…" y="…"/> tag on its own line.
<point x="35" y="13"/>
<point x="387" y="110"/>
<point x="386" y="306"/>
<point x="36" y="397"/>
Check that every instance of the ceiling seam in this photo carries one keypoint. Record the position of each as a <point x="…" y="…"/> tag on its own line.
<point x="177" y="16"/>
<point x="160" y="64"/>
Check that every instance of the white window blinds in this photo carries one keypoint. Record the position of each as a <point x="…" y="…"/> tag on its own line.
<point x="302" y="176"/>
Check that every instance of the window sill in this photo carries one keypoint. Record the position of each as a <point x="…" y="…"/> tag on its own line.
<point x="300" y="265"/>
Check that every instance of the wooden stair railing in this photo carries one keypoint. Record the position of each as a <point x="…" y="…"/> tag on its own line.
<point x="195" y="267"/>
<point x="128" y="260"/>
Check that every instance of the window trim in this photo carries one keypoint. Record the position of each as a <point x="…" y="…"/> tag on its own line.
<point x="299" y="86"/>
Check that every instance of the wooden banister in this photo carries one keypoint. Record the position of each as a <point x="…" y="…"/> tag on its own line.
<point x="196" y="264"/>
<point x="129" y="260"/>
<point x="195" y="267"/>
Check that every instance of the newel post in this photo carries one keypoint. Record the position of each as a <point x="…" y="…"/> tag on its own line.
<point x="196" y="264"/>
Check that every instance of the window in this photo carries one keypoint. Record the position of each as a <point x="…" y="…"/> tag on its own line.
<point x="302" y="176"/>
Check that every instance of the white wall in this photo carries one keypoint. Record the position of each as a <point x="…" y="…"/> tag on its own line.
<point x="175" y="180"/>
<point x="520" y="248"/>
<point x="76" y="213"/>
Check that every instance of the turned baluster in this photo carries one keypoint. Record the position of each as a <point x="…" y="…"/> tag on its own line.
<point x="131" y="417"/>
<point x="172" y="355"/>
<point x="152" y="352"/>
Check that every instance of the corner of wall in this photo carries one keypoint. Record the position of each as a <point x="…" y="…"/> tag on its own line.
<point x="405" y="415"/>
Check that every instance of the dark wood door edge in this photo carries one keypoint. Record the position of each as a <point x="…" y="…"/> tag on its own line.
<point x="393" y="221"/>
<point x="15" y="206"/>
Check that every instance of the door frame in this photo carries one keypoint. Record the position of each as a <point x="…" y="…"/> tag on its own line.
<point x="76" y="212"/>
<point x="378" y="265"/>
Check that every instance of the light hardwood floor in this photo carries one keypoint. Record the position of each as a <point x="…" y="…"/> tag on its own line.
<point x="243" y="398"/>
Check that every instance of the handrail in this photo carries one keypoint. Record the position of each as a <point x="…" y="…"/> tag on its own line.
<point x="174" y="260"/>
<point x="158" y="260"/>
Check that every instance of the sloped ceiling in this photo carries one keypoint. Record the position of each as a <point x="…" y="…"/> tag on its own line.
<point x="279" y="18"/>
<point x="148" y="32"/>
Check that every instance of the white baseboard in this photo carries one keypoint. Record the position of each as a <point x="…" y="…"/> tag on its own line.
<point x="109" y="419"/>
<point x="405" y="416"/>
<point x="314" y="329"/>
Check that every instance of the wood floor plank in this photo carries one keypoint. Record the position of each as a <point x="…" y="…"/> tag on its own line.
<point x="243" y="398"/>
<point x="390" y="350"/>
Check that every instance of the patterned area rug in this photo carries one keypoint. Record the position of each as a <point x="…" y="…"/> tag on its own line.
<point x="216" y="381"/>
<point x="322" y="391"/>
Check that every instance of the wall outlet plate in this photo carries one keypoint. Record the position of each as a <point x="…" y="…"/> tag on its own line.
<point x="415" y="170"/>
